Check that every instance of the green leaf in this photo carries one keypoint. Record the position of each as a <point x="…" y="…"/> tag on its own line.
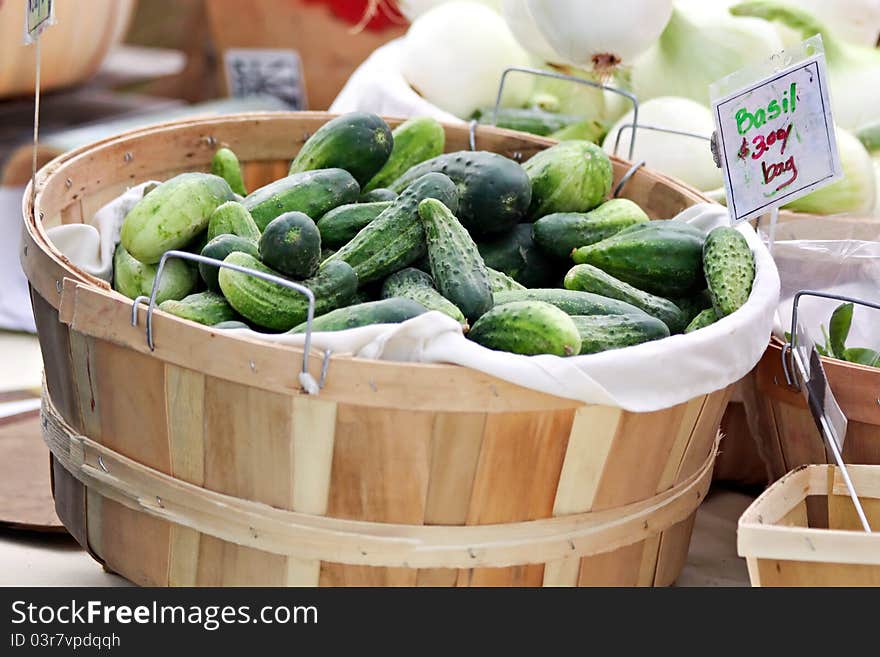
<point x="787" y="336"/>
<point x="862" y="356"/>
<point x="841" y="321"/>
<point x="821" y="350"/>
<point x="827" y="349"/>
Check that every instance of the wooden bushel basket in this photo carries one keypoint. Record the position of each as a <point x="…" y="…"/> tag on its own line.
<point x="204" y="463"/>
<point x="785" y="543"/>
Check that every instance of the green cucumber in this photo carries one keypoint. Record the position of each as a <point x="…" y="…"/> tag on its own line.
<point x="276" y="307"/>
<point x="387" y="311"/>
<point x="693" y="305"/>
<point x="588" y="278"/>
<point x="395" y="239"/>
<point x="380" y="194"/>
<point x="533" y="120"/>
<point x="232" y="324"/>
<point x="226" y="165"/>
<point x="517" y="255"/>
<point x="501" y="282"/>
<point x="232" y="218"/>
<point x="528" y="328"/>
<point x="314" y="193"/>
<point x="415" y="140"/>
<point x="702" y="320"/>
<point x="291" y="244"/>
<point x="411" y="283"/>
<point x="653" y="257"/>
<point x="586" y="130"/>
<point x="560" y="233"/>
<point x="133" y="278"/>
<point x="208" y="308"/>
<point x="573" y="176"/>
<point x="218" y="248"/>
<point x="358" y="142"/>
<point x="729" y="266"/>
<point x="456" y="265"/>
<point x="495" y="191"/>
<point x="571" y="302"/>
<point x="172" y="214"/>
<point x="604" y="332"/>
<point x="340" y="225"/>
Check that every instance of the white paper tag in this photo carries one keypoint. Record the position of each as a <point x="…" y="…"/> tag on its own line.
<point x="776" y="138"/>
<point x="38" y="15"/>
<point x="251" y="71"/>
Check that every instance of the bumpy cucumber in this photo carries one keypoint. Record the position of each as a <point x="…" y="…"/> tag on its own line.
<point x="571" y="302"/>
<point x="380" y="194"/>
<point x="225" y="164"/>
<point x="592" y="279"/>
<point x="456" y="265"/>
<point x="358" y="142"/>
<point x="501" y="282"/>
<point x="388" y="311"/>
<point x="276" y="307"/>
<point x="314" y="193"/>
<point x="495" y="191"/>
<point x="340" y="225"/>
<point x="172" y="214"/>
<point x="659" y="259"/>
<point x="604" y="332"/>
<point x="560" y="233"/>
<point x="415" y="140"/>
<point x="208" y="308"/>
<point x="729" y="266"/>
<point x="133" y="278"/>
<point x="395" y="239"/>
<point x="573" y="176"/>
<point x="218" y="248"/>
<point x="702" y="320"/>
<point x="291" y="244"/>
<point x="528" y="328"/>
<point x="232" y="218"/>
<point x="411" y="283"/>
<point x="517" y="255"/>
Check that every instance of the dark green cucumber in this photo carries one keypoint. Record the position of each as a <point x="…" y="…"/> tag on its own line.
<point x="604" y="332"/>
<point x="232" y="324"/>
<point x="501" y="282"/>
<point x="218" y="248"/>
<point x="380" y="194"/>
<point x="560" y="233"/>
<point x="232" y="218"/>
<point x="517" y="255"/>
<point x="133" y="278"/>
<point x="387" y="311"/>
<point x="395" y="239"/>
<point x="729" y="266"/>
<point x="226" y="165"/>
<point x="415" y="140"/>
<point x="573" y="176"/>
<point x="528" y="328"/>
<point x="358" y="142"/>
<point x="172" y="214"/>
<point x="694" y="304"/>
<point x="276" y="307"/>
<point x="533" y="120"/>
<point x="291" y="244"/>
<point x="314" y="193"/>
<point x="653" y="257"/>
<point x="208" y="308"/>
<point x="702" y="320"/>
<point x="456" y="265"/>
<point x="340" y="225"/>
<point x="411" y="283"/>
<point x="669" y="224"/>
<point x="495" y="191"/>
<point x="588" y="278"/>
<point x="571" y="302"/>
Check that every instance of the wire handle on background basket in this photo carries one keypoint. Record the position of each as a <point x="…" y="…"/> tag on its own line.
<point x="305" y="378"/>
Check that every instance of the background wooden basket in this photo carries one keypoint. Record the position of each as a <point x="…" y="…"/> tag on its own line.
<point x="203" y="463"/>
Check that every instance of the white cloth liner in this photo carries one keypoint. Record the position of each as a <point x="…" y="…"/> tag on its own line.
<point x="646" y="377"/>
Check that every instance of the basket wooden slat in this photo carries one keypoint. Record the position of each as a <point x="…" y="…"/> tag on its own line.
<point x="408" y="448"/>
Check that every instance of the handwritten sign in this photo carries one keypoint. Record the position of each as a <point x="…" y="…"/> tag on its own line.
<point x="252" y="71"/>
<point x="39" y="14"/>
<point x="776" y="139"/>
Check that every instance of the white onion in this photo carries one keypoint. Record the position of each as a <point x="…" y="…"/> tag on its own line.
<point x="600" y="34"/>
<point x="522" y="24"/>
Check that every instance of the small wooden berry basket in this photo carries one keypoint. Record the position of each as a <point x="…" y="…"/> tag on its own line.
<point x="804" y="531"/>
<point x="203" y="462"/>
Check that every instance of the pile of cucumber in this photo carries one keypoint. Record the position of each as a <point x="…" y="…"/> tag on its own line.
<point x="383" y="226"/>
